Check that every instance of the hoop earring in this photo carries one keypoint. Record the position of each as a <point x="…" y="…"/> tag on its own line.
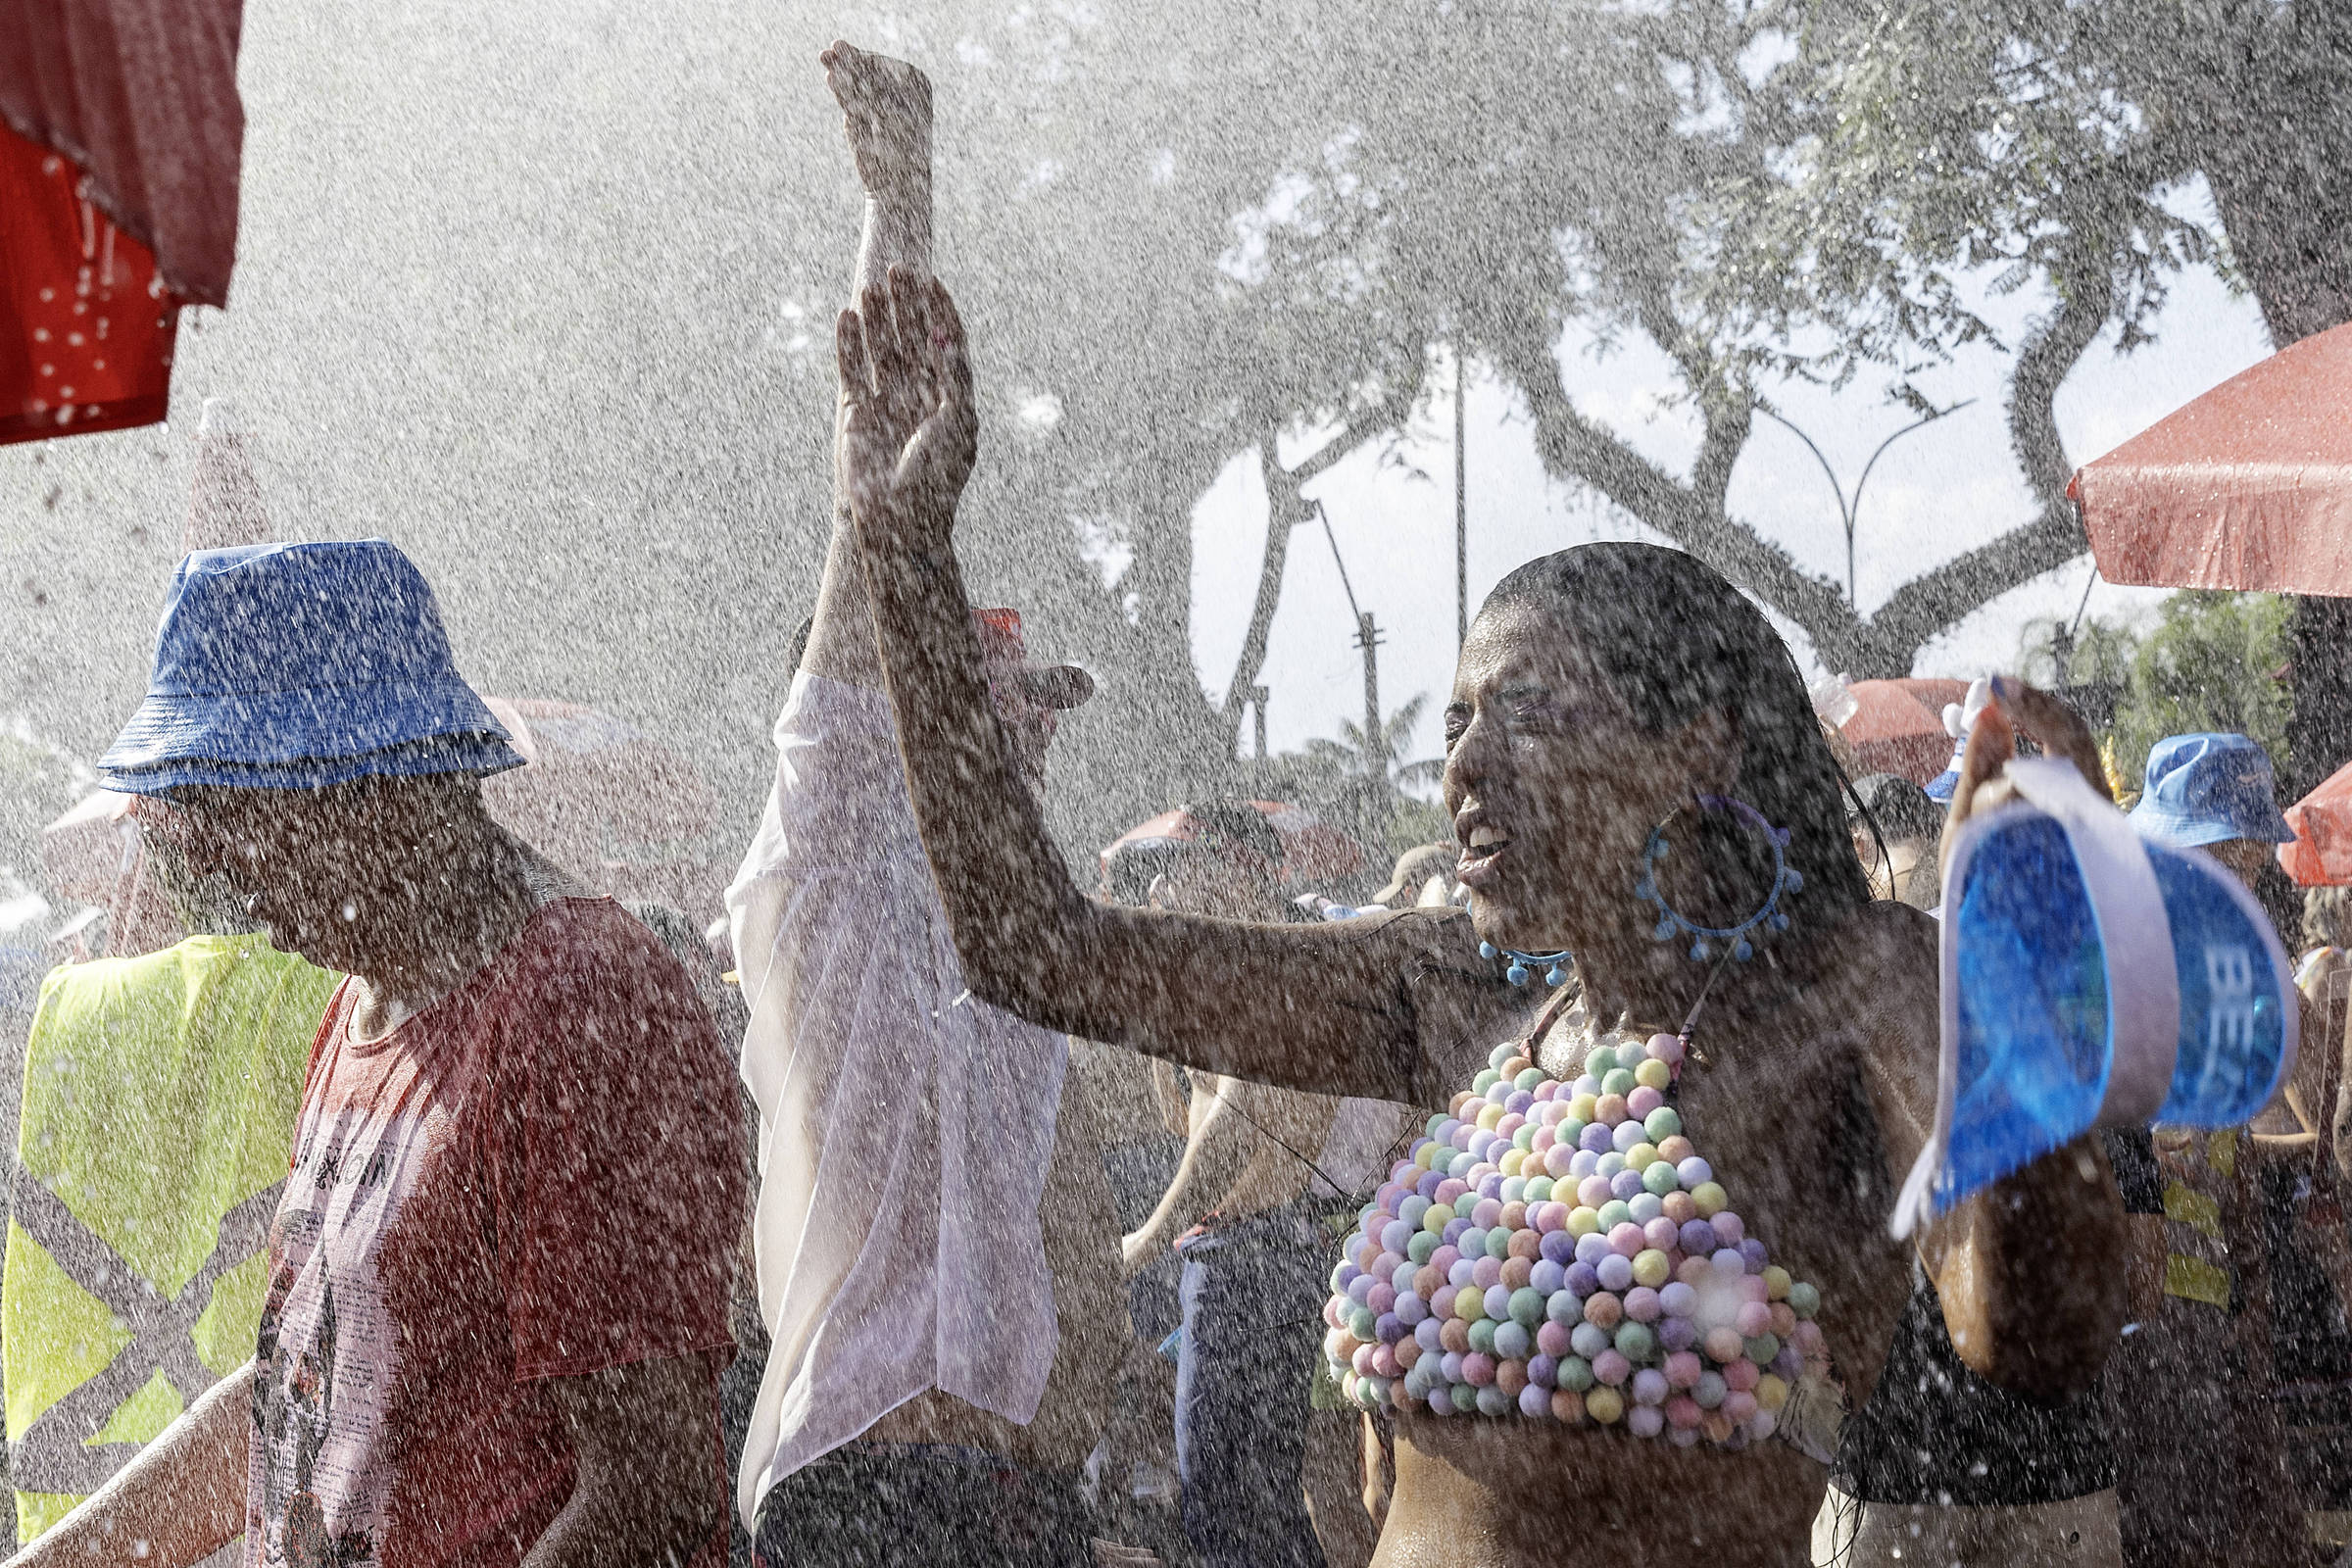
<point x="1673" y="923"/>
<point x="1553" y="964"/>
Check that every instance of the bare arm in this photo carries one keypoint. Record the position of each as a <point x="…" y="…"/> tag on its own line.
<point x="179" y="1501"/>
<point x="1354" y="1007"/>
<point x="1171" y="1100"/>
<point x="647" y="1487"/>
<point x="1219" y="1147"/>
<point x="886" y="113"/>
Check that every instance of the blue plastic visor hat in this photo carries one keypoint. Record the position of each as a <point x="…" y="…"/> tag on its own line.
<point x="299" y="666"/>
<point x="2091" y="977"/>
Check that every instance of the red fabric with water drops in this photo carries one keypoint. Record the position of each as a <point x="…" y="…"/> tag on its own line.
<point x="86" y="327"/>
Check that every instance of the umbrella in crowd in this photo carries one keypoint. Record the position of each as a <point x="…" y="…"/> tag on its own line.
<point x="1313" y="851"/>
<point x="1897" y="726"/>
<point x="624" y="814"/>
<point x="93" y="856"/>
<point x="2246" y="487"/>
<point x="2320" y="855"/>
<point x="121" y="135"/>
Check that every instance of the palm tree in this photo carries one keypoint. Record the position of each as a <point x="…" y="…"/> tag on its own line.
<point x="1382" y="757"/>
<point x="1362" y="789"/>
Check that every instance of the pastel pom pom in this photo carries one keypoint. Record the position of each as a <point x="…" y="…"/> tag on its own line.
<point x="1564" y="1251"/>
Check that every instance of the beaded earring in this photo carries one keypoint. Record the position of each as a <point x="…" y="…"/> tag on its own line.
<point x="1553" y="964"/>
<point x="1673" y="923"/>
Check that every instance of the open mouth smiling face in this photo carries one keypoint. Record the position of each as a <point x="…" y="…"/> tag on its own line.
<point x="1551" y="784"/>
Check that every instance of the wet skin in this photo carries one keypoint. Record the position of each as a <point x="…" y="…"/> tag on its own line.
<point x="1819" y="1082"/>
<point x="1821" y="1053"/>
<point x="1813" y="1064"/>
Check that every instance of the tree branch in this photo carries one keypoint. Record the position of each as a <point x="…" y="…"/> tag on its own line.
<point x="2086" y="297"/>
<point x="1575" y="447"/>
<point x="1286" y="509"/>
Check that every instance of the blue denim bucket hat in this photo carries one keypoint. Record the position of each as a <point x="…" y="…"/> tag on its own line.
<point x="2203" y="789"/>
<point x="2091" y="977"/>
<point x="299" y="666"/>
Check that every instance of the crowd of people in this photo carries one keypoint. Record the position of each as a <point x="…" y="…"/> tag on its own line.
<point x="421" y="1206"/>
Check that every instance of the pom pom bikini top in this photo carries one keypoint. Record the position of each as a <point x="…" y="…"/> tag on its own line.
<point x="1564" y="1251"/>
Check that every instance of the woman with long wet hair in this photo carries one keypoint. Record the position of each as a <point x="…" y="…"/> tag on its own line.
<point x="1643" y="801"/>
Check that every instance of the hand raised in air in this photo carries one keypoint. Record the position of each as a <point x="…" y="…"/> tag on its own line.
<point x="910" y="429"/>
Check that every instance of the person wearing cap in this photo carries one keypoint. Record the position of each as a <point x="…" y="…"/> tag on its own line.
<point x="936" y="1240"/>
<point x="2202" y="1359"/>
<point x="497" y="1283"/>
<point x="159" y="1101"/>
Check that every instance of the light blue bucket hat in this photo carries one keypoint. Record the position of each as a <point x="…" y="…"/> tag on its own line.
<point x="2207" y="788"/>
<point x="298" y="665"/>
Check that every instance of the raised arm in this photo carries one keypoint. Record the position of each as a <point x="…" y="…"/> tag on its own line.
<point x="2032" y="1270"/>
<point x="1361" y="1008"/>
<point x="886" y="114"/>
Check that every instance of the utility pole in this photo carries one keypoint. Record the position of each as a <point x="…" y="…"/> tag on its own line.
<point x="1368" y="638"/>
<point x="1461" y="514"/>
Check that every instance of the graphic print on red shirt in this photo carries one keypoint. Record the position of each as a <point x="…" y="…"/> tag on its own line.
<point x="534" y="1177"/>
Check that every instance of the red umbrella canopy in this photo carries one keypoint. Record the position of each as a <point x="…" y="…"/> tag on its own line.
<point x="1897" y="726"/>
<point x="2320" y="855"/>
<point x="2247" y="487"/>
<point x="1312" y="849"/>
<point x="121" y="136"/>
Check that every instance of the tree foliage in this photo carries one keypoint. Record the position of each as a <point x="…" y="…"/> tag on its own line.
<point x="2210" y="661"/>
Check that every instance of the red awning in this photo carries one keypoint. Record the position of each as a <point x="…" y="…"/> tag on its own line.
<point x="142" y="96"/>
<point x="2247" y="487"/>
<point x="86" y="327"/>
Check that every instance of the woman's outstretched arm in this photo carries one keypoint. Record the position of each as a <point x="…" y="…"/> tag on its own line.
<point x="1370" y="1008"/>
